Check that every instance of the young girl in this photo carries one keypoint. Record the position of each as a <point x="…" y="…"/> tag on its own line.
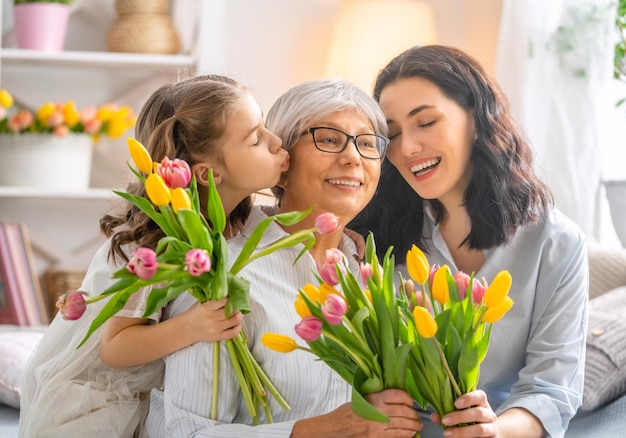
<point x="97" y="390"/>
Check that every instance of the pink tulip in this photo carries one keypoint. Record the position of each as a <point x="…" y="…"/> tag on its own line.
<point x="92" y="126"/>
<point x="334" y="308"/>
<point x="72" y="305"/>
<point x="175" y="173"/>
<point x="478" y="289"/>
<point x="327" y="223"/>
<point x="14" y="123"/>
<point x="310" y="328"/>
<point x="61" y="131"/>
<point x="198" y="261"/>
<point x="143" y="263"/>
<point x="409" y="290"/>
<point x="366" y="272"/>
<point x="328" y="271"/>
<point x="462" y="282"/>
<point x="433" y="268"/>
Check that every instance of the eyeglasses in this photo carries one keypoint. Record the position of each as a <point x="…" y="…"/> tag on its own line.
<point x="334" y="141"/>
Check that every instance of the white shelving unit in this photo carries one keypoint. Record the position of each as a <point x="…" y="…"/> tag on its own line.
<point x="64" y="226"/>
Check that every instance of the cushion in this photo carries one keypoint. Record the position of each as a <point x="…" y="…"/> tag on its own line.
<point x="607" y="269"/>
<point x="605" y="366"/>
<point x="16" y="345"/>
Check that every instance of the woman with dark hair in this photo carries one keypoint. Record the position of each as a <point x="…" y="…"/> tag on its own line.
<point x="458" y="181"/>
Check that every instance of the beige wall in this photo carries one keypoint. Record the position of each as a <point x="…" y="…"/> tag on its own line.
<point x="272" y="45"/>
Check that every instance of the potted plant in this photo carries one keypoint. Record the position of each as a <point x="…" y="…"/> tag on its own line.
<point x="52" y="147"/>
<point x="41" y="24"/>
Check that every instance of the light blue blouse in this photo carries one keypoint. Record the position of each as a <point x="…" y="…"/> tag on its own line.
<point x="537" y="351"/>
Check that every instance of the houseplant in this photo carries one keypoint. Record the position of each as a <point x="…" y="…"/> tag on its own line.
<point x="52" y="147"/>
<point x="41" y="24"/>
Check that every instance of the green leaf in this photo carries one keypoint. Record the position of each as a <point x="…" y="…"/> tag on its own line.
<point x="215" y="207"/>
<point x="220" y="284"/>
<point x="287" y="219"/>
<point x="360" y="405"/>
<point x="197" y="234"/>
<point x="147" y="207"/>
<point x="238" y="295"/>
<point x="114" y="305"/>
<point x="159" y="297"/>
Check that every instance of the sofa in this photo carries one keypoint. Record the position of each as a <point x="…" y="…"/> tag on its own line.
<point x="603" y="414"/>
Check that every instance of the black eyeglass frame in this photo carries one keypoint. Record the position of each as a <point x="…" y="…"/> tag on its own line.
<point x="349" y="137"/>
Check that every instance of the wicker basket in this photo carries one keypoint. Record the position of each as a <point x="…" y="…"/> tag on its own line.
<point x="58" y="282"/>
<point x="143" y="33"/>
<point x="125" y="7"/>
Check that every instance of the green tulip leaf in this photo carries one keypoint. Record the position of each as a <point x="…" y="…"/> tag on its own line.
<point x="214" y="206"/>
<point x="360" y="405"/>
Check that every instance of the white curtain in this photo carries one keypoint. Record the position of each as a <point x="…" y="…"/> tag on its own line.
<point x="554" y="62"/>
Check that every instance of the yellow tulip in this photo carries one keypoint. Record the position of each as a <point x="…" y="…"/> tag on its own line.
<point x="278" y="342"/>
<point x="158" y="192"/>
<point x="324" y="290"/>
<point x="45" y="111"/>
<point x="6" y="100"/>
<point x="424" y="321"/>
<point x="71" y="115"/>
<point x="494" y="314"/>
<point x="498" y="289"/>
<point x="417" y="265"/>
<point x="441" y="292"/>
<point x="301" y="307"/>
<point x="180" y="199"/>
<point x="140" y="155"/>
<point x="368" y="294"/>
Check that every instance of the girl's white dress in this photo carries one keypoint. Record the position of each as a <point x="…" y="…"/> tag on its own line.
<point x="69" y="392"/>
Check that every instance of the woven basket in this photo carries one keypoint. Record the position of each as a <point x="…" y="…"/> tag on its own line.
<point x="124" y="7"/>
<point x="143" y="33"/>
<point x="58" y="282"/>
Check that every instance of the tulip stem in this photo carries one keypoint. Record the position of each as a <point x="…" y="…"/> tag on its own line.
<point x="446" y="367"/>
<point x="355" y="357"/>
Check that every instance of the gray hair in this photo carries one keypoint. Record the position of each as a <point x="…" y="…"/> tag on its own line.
<point x="295" y="110"/>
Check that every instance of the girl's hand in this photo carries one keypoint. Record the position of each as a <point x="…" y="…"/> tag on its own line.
<point x="473" y="409"/>
<point x="207" y="322"/>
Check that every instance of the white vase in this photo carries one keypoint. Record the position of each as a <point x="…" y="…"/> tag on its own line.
<point x="616" y="195"/>
<point x="45" y="161"/>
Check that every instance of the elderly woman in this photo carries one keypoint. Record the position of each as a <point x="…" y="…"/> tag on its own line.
<point x="335" y="134"/>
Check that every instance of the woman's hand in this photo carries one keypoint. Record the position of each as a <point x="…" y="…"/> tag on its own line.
<point x="473" y="409"/>
<point x="358" y="240"/>
<point x="345" y="423"/>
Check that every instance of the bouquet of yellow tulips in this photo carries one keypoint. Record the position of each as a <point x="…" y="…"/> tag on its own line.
<point x="61" y="119"/>
<point x="429" y="342"/>
<point x="447" y="322"/>
<point x="191" y="257"/>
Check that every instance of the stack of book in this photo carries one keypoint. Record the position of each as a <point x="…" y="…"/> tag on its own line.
<point x="21" y="298"/>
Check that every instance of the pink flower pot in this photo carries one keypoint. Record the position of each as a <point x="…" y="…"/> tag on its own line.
<point x="41" y="26"/>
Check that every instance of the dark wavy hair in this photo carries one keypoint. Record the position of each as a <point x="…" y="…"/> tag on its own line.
<point x="503" y="193"/>
<point x="183" y="120"/>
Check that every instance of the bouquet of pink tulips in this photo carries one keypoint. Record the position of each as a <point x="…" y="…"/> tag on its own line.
<point x="192" y="257"/>
<point x="429" y="342"/>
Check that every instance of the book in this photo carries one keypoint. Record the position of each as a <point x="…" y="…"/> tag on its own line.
<point x="21" y="282"/>
<point x="11" y="308"/>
